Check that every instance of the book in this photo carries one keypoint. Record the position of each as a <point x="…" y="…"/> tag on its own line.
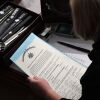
<point x="38" y="58"/>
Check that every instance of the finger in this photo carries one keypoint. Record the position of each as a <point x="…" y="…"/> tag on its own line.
<point x="36" y="78"/>
<point x="33" y="79"/>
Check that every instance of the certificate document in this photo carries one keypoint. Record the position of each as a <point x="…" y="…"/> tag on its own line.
<point x="37" y="58"/>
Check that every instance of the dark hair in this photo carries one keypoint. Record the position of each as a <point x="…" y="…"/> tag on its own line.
<point x="86" y="18"/>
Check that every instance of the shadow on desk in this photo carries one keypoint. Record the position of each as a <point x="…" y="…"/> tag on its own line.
<point x="14" y="86"/>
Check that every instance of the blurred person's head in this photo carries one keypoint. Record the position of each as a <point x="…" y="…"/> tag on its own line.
<point x="86" y="18"/>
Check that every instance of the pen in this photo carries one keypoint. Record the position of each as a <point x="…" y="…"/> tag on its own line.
<point x="17" y="28"/>
<point x="17" y="21"/>
<point x="4" y="11"/>
<point x="6" y="15"/>
<point x="16" y="35"/>
<point x="74" y="47"/>
<point x="12" y="38"/>
<point x="5" y="44"/>
<point x="8" y="22"/>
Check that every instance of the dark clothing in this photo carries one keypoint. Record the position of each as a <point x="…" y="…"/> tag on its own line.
<point x="64" y="99"/>
<point x="56" y="11"/>
<point x="90" y="80"/>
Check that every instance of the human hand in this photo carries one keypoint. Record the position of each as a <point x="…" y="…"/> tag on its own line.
<point x="42" y="87"/>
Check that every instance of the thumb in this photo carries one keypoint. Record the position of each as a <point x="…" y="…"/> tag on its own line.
<point x="33" y="79"/>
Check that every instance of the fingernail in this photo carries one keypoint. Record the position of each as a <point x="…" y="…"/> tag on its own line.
<point x="30" y="79"/>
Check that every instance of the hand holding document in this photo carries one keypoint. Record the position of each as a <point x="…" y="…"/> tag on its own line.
<point x="37" y="58"/>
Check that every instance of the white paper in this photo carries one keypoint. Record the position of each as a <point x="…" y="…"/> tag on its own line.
<point x="53" y="40"/>
<point x="80" y="58"/>
<point x="36" y="57"/>
<point x="33" y="5"/>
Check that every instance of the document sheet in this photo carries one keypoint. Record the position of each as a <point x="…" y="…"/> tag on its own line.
<point x="80" y="58"/>
<point x="37" y="58"/>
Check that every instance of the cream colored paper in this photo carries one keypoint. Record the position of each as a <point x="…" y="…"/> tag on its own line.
<point x="37" y="58"/>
